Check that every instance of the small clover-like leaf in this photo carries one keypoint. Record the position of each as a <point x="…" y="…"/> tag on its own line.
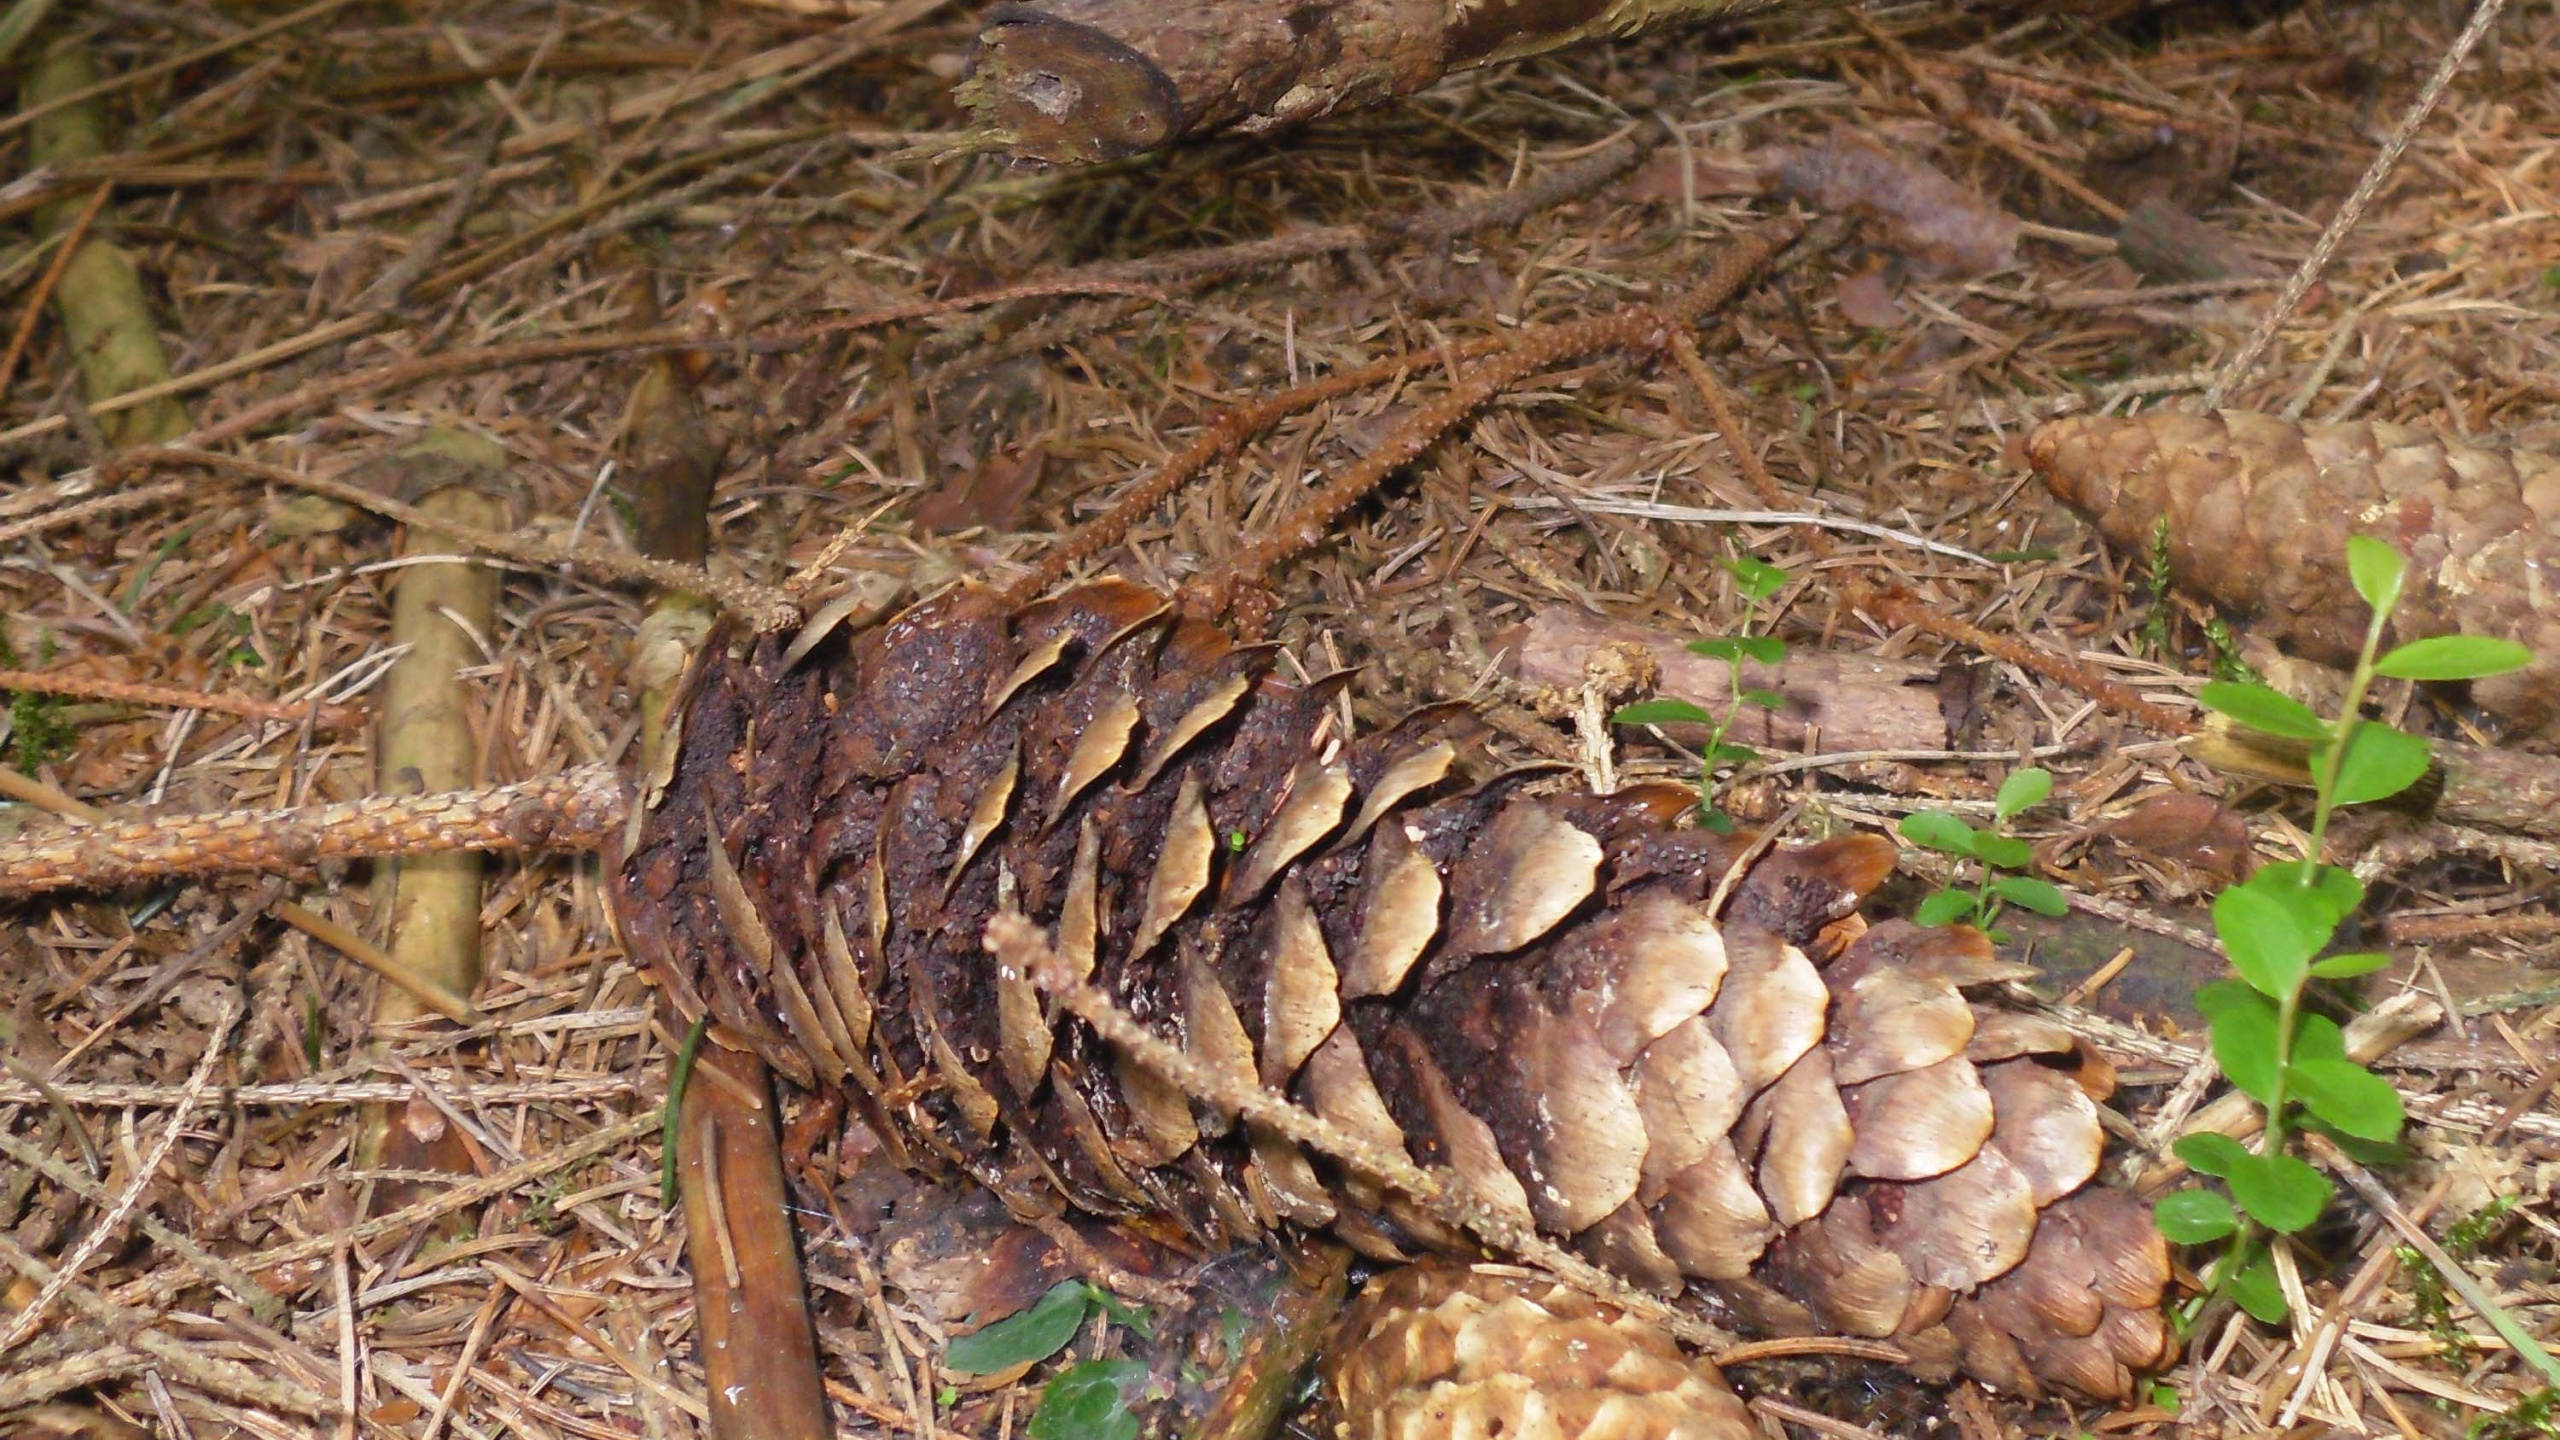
<point x="1756" y="578"/>
<point x="1026" y="1337"/>
<point x="2380" y="763"/>
<point x="2262" y="709"/>
<point x="2028" y="893"/>
<point x="2194" y="1217"/>
<point x="2208" y="1153"/>
<point x="1661" y="712"/>
<point x="2350" y="1097"/>
<point x="2347" y="967"/>
<point x="2022" y="791"/>
<point x="1945" y="907"/>
<point x="2453" y="657"/>
<point x="2005" y="852"/>
<point x="2278" y="1191"/>
<point x="1938" y="830"/>
<point x="2268" y="942"/>
<point x="2378" y="572"/>
<point x="2254" y="1288"/>
<point x="1714" y="820"/>
<point x="1716" y="647"/>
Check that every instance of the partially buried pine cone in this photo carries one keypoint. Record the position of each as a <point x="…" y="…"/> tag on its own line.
<point x="1791" y="1119"/>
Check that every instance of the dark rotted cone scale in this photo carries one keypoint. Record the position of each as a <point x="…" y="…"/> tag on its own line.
<point x="1796" y="1119"/>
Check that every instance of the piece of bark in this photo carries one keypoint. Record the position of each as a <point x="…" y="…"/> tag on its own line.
<point x="751" y="1316"/>
<point x="1079" y="81"/>
<point x="106" y="320"/>
<point x="1940" y="226"/>
<point x="2170" y="246"/>
<point x="1844" y="702"/>
<point x="2259" y="511"/>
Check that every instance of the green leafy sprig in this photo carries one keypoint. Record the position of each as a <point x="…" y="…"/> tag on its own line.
<point x="1090" y="1400"/>
<point x="2000" y="854"/>
<point x="1755" y="580"/>
<point x="2277" y="927"/>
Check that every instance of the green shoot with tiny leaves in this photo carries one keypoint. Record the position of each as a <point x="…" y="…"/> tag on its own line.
<point x="1090" y="1400"/>
<point x="1755" y="580"/>
<point x="2000" y="854"/>
<point x="2277" y="927"/>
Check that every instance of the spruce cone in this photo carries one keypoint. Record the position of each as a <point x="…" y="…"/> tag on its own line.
<point x="1453" y="1352"/>
<point x="1800" y="1120"/>
<point x="2259" y="511"/>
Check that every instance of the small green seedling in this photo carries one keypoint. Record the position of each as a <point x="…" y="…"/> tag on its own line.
<point x="2276" y="927"/>
<point x="2000" y="854"/>
<point x="1756" y="580"/>
<point x="1090" y="1400"/>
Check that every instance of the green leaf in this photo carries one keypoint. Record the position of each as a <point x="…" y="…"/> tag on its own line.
<point x="2381" y="762"/>
<point x="2028" y="893"/>
<point x="2377" y="570"/>
<point x="2265" y="710"/>
<point x="1139" y="1320"/>
<point x="1713" y="820"/>
<point x="2207" y="1153"/>
<point x="1945" y="907"/>
<point x="1765" y="699"/>
<point x="2317" y="1037"/>
<point x="2217" y="996"/>
<point x="1025" y="1338"/>
<point x="2255" y="1289"/>
<point x="2269" y="943"/>
<point x="2005" y="852"/>
<point x="1089" y="1402"/>
<point x="2244" y="1045"/>
<point x="1716" y="648"/>
<point x="2350" y="1097"/>
<point x="1661" y="712"/>
<point x="2022" y="791"/>
<point x="1938" y="830"/>
<point x="2347" y="967"/>
<point x="1756" y="578"/>
<point x="2338" y="892"/>
<point x="1767" y="649"/>
<point x="2280" y="1192"/>
<point x="2453" y="657"/>
<point x="2194" y="1217"/>
<point x="1725" y="752"/>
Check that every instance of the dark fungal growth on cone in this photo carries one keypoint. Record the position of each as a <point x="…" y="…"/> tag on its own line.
<point x="1794" y="1119"/>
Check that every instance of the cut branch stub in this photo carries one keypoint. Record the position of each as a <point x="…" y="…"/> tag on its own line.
<point x="1773" y="1108"/>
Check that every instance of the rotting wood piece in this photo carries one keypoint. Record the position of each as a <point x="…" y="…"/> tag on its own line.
<point x="2259" y="511"/>
<point x="1079" y="81"/>
<point x="1776" y="1109"/>
<point x="1844" y="702"/>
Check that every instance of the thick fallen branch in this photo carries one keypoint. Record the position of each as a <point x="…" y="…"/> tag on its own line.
<point x="1078" y="81"/>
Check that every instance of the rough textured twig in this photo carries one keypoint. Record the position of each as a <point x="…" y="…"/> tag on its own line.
<point x="573" y="810"/>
